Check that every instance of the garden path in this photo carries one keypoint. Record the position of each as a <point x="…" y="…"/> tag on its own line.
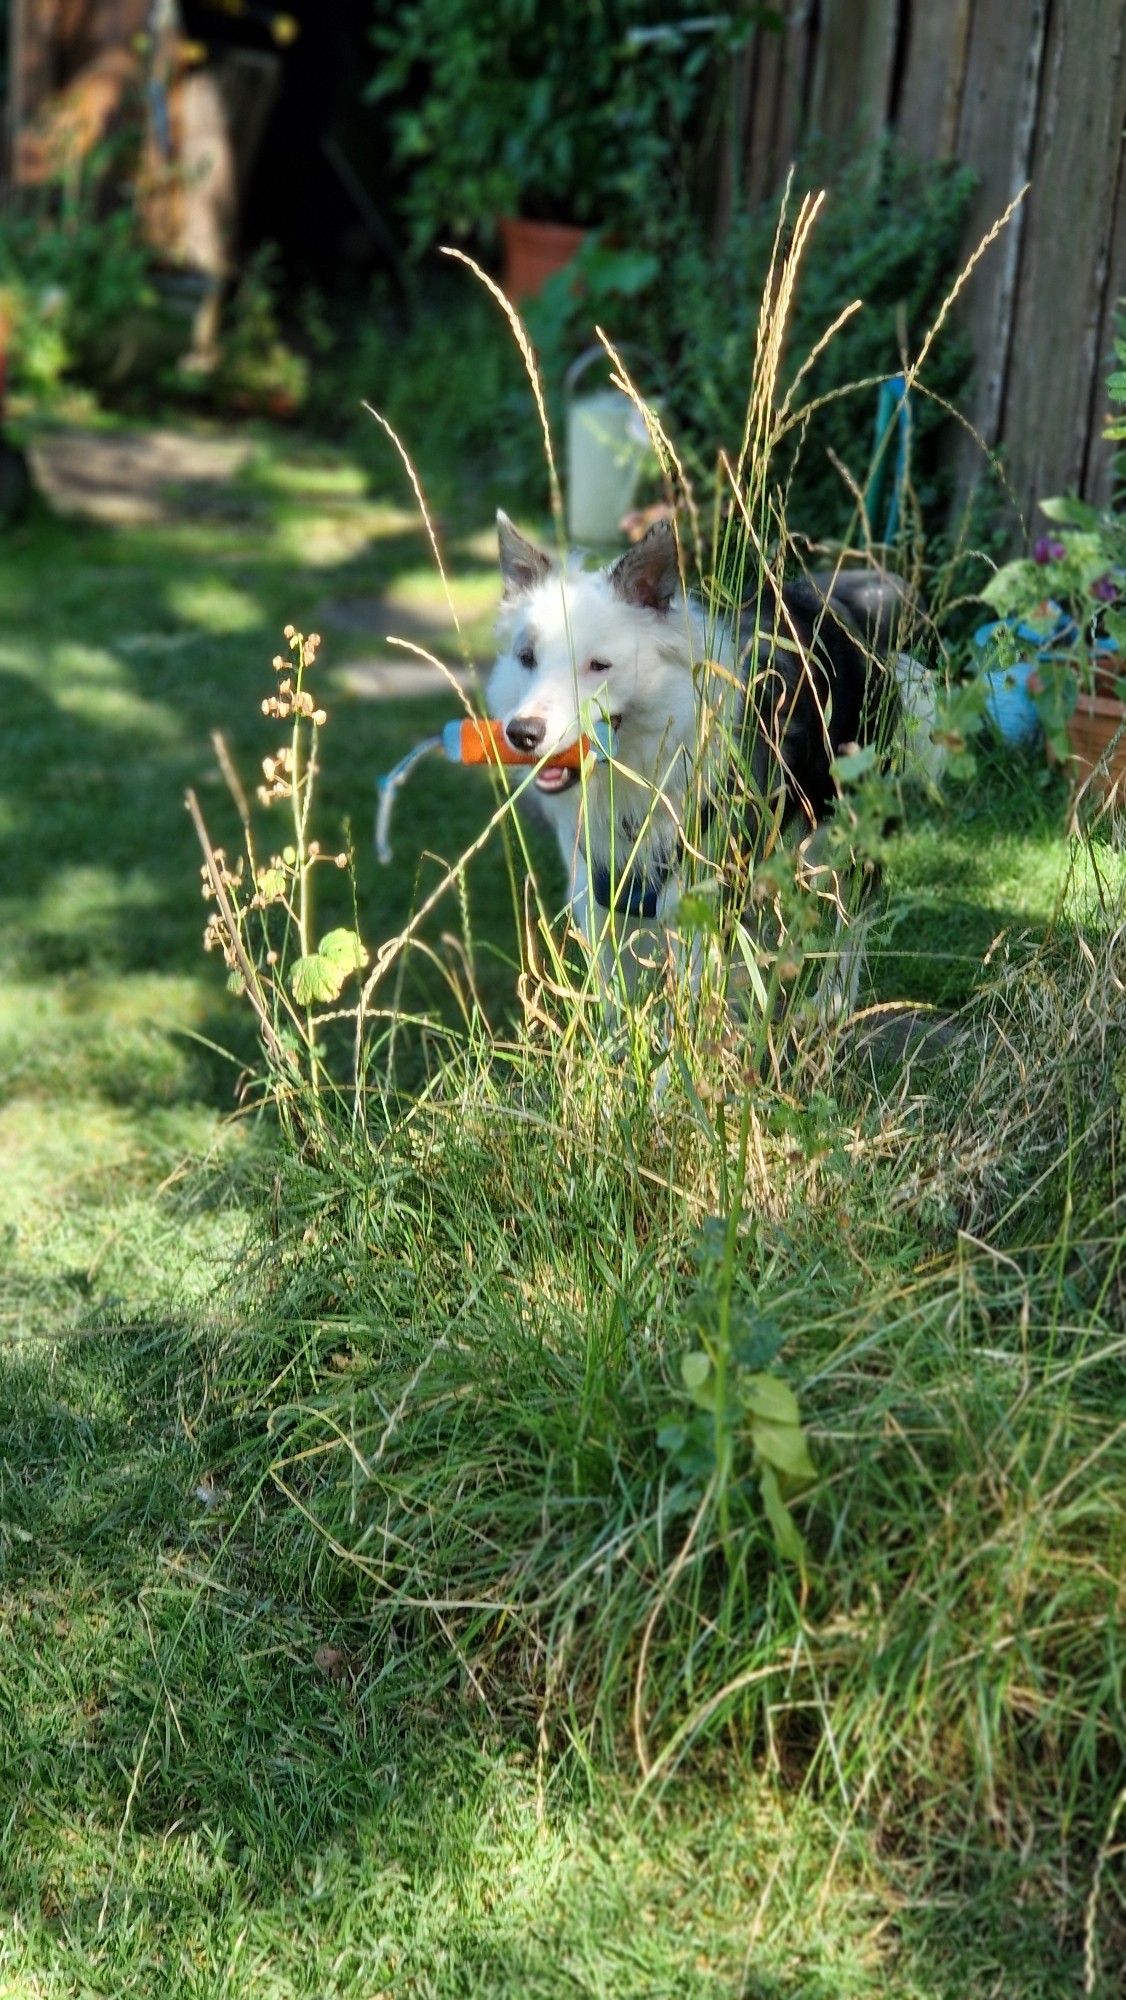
<point x="160" y="476"/>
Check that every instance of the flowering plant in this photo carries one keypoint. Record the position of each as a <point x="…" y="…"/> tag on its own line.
<point x="1063" y="607"/>
<point x="1071" y="590"/>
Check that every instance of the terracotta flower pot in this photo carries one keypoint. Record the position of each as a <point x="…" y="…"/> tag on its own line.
<point x="534" y="251"/>
<point x="1097" y="719"/>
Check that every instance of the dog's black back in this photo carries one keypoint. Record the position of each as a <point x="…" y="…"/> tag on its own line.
<point x="816" y="684"/>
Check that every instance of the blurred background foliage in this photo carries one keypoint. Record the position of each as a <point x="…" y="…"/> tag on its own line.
<point x="396" y="128"/>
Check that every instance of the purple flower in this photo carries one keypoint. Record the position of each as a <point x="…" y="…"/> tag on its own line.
<point x="1047" y="548"/>
<point x="1105" y="589"/>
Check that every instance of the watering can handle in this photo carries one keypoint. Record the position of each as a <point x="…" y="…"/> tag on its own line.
<point x="579" y="367"/>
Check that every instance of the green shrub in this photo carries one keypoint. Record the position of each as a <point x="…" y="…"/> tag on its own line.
<point x="442" y="366"/>
<point x="507" y="106"/>
<point x="75" y="280"/>
<point x="890" y="235"/>
<point x="258" y="370"/>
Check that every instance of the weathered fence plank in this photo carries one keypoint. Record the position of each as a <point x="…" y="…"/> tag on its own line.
<point x="1020" y="90"/>
<point x="934" y="77"/>
<point x="996" y="133"/>
<point x="1056" y="356"/>
<point x="1098" y="468"/>
<point x="767" y="87"/>
<point x="789" y="123"/>
<point x="852" y="71"/>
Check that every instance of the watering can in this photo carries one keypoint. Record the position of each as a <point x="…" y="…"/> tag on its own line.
<point x="607" y="446"/>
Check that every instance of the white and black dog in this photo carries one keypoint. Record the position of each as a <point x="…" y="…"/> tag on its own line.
<point x="798" y="676"/>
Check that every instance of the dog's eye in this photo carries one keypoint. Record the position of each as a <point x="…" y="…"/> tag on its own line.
<point x="599" y="667"/>
<point x="526" y="656"/>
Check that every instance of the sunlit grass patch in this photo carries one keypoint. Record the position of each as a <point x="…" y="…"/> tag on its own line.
<point x="215" y="603"/>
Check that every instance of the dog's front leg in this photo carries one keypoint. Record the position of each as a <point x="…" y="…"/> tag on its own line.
<point x="591" y="922"/>
<point x="623" y="950"/>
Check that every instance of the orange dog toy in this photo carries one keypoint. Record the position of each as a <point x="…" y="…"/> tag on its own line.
<point x="478" y="740"/>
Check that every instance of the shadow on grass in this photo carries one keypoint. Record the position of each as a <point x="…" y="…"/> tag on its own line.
<point x="202" y="1780"/>
<point x="110" y="693"/>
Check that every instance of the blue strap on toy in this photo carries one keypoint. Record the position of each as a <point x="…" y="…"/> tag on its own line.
<point x="893" y="409"/>
<point x="386" y="788"/>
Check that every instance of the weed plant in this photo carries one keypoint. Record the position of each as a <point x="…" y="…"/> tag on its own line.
<point x="705" y="1380"/>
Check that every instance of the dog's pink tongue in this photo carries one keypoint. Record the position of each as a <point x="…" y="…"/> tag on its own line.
<point x="553" y="779"/>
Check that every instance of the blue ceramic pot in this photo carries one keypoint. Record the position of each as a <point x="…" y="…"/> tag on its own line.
<point x="1010" y="706"/>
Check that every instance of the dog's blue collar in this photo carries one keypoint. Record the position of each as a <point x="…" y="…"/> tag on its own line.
<point x="638" y="895"/>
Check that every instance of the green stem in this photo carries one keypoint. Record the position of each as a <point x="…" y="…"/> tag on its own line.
<point x="304" y="897"/>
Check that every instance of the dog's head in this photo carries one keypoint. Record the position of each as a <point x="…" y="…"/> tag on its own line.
<point x="572" y="642"/>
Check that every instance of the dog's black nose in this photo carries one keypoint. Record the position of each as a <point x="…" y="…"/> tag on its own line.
<point x="525" y="733"/>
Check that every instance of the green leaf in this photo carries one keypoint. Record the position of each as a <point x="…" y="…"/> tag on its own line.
<point x="784" y="1447"/>
<point x="315" y="978"/>
<point x="1016" y="586"/>
<point x="696" y="1374"/>
<point x="1073" y="513"/>
<point x="1055" y="690"/>
<point x="769" y="1397"/>
<point x="344" y="950"/>
<point x="270" y="884"/>
<point x="756" y="1340"/>
<point x="698" y="910"/>
<point x="854" y="763"/>
<point x="787" y="1535"/>
<point x="672" y="1437"/>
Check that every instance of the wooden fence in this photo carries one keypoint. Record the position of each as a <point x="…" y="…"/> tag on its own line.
<point x="1024" y="91"/>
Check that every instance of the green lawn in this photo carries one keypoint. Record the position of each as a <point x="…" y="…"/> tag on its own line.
<point x="228" y="1765"/>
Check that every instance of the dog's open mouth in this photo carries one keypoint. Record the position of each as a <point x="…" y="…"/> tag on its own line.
<point x="553" y="778"/>
<point x="557" y="778"/>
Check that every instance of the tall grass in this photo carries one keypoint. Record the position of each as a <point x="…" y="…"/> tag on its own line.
<point x="778" y="1408"/>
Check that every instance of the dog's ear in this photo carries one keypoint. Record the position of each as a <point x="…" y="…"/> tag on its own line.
<point x="649" y="573"/>
<point x="522" y="565"/>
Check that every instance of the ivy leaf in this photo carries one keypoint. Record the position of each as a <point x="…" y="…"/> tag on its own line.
<point x="321" y="974"/>
<point x="314" y="978"/>
<point x="694" y="1369"/>
<point x="344" y="950"/>
<point x="787" y="1535"/>
<point x="757" y="1339"/>
<point x="698" y="910"/>
<point x="1016" y="585"/>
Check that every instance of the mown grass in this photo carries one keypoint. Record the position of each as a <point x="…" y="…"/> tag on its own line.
<point x="343" y="1582"/>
